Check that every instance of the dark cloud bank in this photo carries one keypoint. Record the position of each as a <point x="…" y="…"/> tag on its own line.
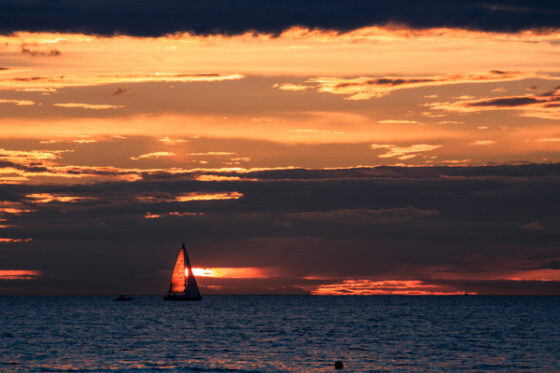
<point x="440" y="225"/>
<point x="149" y="18"/>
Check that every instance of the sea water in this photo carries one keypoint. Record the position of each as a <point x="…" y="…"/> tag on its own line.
<point x="280" y="333"/>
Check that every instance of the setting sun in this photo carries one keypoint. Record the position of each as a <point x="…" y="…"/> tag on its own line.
<point x="231" y="272"/>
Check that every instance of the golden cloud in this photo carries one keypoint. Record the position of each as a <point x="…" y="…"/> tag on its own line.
<point x="17" y="102"/>
<point x="404" y="152"/>
<point x="365" y="88"/>
<point x="76" y="105"/>
<point x="153" y="155"/>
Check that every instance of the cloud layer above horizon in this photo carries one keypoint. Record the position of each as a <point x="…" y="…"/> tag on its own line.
<point x="415" y="145"/>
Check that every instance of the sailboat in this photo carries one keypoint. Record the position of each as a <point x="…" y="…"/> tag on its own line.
<point x="183" y="283"/>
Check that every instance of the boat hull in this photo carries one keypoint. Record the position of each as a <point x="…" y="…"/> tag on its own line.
<point x="180" y="297"/>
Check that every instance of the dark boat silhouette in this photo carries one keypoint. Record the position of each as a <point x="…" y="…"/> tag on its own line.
<point x="123" y="297"/>
<point x="183" y="284"/>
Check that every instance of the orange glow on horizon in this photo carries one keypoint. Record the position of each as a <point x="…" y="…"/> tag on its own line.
<point x="231" y="272"/>
<point x="545" y="274"/>
<point x="14" y="240"/>
<point x="386" y="287"/>
<point x="19" y="274"/>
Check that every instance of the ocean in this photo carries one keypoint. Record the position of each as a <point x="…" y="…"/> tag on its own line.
<point x="280" y="334"/>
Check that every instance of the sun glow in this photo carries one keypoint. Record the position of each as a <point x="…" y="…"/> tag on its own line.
<point x="231" y="272"/>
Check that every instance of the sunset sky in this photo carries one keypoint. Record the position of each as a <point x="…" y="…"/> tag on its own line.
<point x="298" y="147"/>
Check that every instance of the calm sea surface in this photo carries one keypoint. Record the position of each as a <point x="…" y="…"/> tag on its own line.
<point x="280" y="333"/>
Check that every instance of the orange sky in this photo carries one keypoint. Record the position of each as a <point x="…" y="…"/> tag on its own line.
<point x="82" y="109"/>
<point x="421" y="92"/>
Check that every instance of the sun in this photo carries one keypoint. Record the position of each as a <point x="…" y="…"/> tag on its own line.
<point x="201" y="272"/>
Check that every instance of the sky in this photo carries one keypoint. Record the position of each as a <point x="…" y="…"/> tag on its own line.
<point x="297" y="147"/>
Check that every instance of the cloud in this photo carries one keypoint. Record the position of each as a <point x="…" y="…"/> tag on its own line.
<point x="74" y="105"/>
<point x="385" y="287"/>
<point x="19" y="274"/>
<point x="430" y="225"/>
<point x="543" y="106"/>
<point x="23" y="156"/>
<point x="149" y="215"/>
<point x="368" y="216"/>
<point x="48" y="198"/>
<point x="218" y="16"/>
<point x="457" y="161"/>
<point x="197" y="196"/>
<point x="185" y="213"/>
<point x="17" y="102"/>
<point x="153" y="155"/>
<point x="57" y="81"/>
<point x="365" y="88"/>
<point x="189" y="197"/>
<point x="483" y="142"/>
<point x="535" y="225"/>
<point x="317" y="131"/>
<point x="548" y="139"/>
<point x="169" y="140"/>
<point x="291" y="87"/>
<point x="398" y="121"/>
<point x="14" y="240"/>
<point x="12" y="207"/>
<point x="212" y="154"/>
<point x="404" y="152"/>
<point x="34" y="53"/>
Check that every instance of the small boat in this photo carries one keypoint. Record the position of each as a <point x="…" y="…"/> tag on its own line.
<point x="123" y="297"/>
<point x="183" y="283"/>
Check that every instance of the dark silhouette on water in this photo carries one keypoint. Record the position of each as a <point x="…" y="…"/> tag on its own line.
<point x="123" y="297"/>
<point x="338" y="364"/>
<point x="183" y="284"/>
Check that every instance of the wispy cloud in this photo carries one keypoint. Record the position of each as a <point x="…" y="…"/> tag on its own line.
<point x="40" y="53"/>
<point x="404" y="152"/>
<point x="18" y="156"/>
<point x="19" y="274"/>
<point x="153" y="155"/>
<point x="372" y="287"/>
<point x="367" y="215"/>
<point x="399" y="121"/>
<point x="48" y="81"/>
<point x="188" y="197"/>
<point x="212" y="154"/>
<point x="150" y="215"/>
<point x="17" y="102"/>
<point x="169" y="140"/>
<point x="292" y="87"/>
<point x="365" y="88"/>
<point x="483" y="142"/>
<point x="77" y="105"/>
<point x="12" y="207"/>
<point x="14" y="240"/>
<point x="545" y="106"/>
<point x="49" y="197"/>
<point x="548" y="139"/>
<point x="535" y="226"/>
